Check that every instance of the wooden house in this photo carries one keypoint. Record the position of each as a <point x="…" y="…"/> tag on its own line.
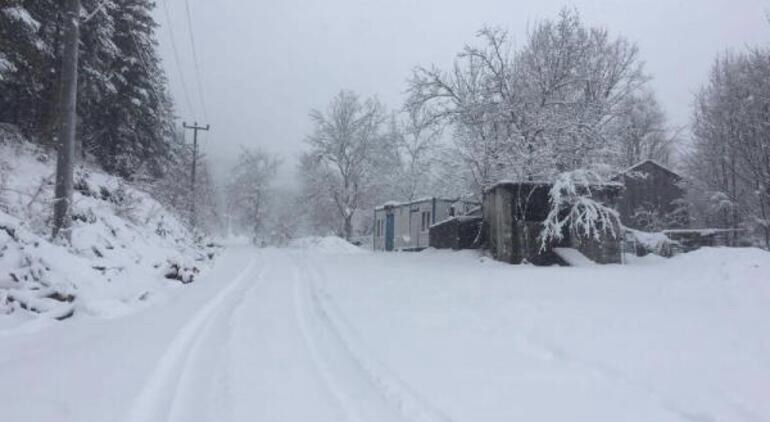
<point x="514" y="213"/>
<point x="404" y="226"/>
<point x="652" y="190"/>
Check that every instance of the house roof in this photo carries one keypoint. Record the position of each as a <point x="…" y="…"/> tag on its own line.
<point x="649" y="161"/>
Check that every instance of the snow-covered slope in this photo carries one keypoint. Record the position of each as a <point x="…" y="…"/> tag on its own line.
<point x="124" y="243"/>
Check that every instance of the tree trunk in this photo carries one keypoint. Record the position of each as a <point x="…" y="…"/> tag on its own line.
<point x="62" y="209"/>
<point x="348" y="227"/>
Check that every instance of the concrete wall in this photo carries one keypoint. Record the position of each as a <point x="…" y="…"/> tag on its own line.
<point x="513" y="230"/>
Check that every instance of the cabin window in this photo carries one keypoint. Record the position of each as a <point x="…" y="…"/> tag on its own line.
<point x="425" y="220"/>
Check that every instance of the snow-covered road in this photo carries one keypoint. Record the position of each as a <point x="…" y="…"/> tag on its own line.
<point x="297" y="335"/>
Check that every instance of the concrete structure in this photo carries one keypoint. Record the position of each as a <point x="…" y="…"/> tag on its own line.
<point x="514" y="214"/>
<point x="404" y="226"/>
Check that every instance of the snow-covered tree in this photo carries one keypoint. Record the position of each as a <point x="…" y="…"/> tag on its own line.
<point x="133" y="121"/>
<point x="641" y="132"/>
<point x="416" y="142"/>
<point x="576" y="204"/>
<point x="730" y="159"/>
<point x="30" y="35"/>
<point x="532" y="113"/>
<point x="125" y="115"/>
<point x="349" y="159"/>
<point x="248" y="191"/>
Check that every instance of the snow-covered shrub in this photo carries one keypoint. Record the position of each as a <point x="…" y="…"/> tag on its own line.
<point x="184" y="272"/>
<point x="657" y="243"/>
<point x="573" y="206"/>
<point x="125" y="203"/>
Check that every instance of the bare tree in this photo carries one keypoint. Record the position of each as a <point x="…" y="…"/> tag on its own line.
<point x="248" y="191"/>
<point x="730" y="160"/>
<point x="641" y="132"/>
<point x="416" y="140"/>
<point x="348" y="146"/>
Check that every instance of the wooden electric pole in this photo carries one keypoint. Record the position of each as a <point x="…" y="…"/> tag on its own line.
<point x="62" y="207"/>
<point x="195" y="128"/>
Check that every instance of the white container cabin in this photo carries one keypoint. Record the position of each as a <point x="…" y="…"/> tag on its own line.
<point x="404" y="226"/>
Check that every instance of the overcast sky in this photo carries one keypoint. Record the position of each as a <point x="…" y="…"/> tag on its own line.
<point x="265" y="64"/>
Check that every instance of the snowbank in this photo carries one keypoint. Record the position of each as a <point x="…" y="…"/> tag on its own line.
<point x="125" y="245"/>
<point x="325" y="245"/>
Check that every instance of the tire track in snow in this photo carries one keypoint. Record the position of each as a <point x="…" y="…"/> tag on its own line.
<point x="315" y="355"/>
<point x="395" y="393"/>
<point x="153" y="402"/>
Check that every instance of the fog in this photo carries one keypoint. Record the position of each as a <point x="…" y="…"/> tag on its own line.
<point x="264" y="65"/>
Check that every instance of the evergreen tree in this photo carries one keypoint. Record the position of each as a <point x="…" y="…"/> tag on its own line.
<point x="30" y="32"/>
<point x="134" y="119"/>
<point x="125" y="113"/>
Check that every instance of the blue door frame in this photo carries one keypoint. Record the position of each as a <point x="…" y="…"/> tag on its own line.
<point x="389" y="232"/>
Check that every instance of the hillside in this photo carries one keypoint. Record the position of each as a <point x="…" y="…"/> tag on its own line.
<point x="125" y="248"/>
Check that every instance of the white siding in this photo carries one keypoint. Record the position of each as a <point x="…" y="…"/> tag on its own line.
<point x="412" y="222"/>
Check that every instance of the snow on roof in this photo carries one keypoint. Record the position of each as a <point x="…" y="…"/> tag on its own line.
<point x="651" y="161"/>
<point x="460" y="218"/>
<point x="540" y="183"/>
<point x="702" y="232"/>
<point x="394" y="204"/>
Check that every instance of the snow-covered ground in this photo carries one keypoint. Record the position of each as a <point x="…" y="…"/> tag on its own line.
<point x="124" y="244"/>
<point x="322" y="332"/>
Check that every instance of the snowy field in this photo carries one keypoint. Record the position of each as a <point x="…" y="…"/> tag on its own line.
<point x="322" y="331"/>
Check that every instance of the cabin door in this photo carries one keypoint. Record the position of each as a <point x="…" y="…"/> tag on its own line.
<point x="389" y="231"/>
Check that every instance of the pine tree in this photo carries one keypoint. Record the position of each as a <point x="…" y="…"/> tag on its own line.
<point x="135" y="119"/>
<point x="30" y="34"/>
<point x="125" y="114"/>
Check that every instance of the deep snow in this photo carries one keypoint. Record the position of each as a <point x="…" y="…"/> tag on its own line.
<point x="308" y="334"/>
<point x="124" y="243"/>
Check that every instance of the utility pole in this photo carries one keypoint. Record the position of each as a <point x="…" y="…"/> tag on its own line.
<point x="62" y="207"/>
<point x="195" y="128"/>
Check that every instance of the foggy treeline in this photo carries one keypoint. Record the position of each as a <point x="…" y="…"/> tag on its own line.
<point x="567" y="97"/>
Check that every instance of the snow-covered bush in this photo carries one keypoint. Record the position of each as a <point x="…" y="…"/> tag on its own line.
<point x="181" y="271"/>
<point x="657" y="243"/>
<point x="574" y="206"/>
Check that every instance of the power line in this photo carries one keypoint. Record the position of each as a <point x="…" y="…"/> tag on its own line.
<point x="195" y="58"/>
<point x="176" y="59"/>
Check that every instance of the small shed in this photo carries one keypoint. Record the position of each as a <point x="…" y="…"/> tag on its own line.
<point x="514" y="213"/>
<point x="652" y="190"/>
<point x="404" y="226"/>
<point x="459" y="232"/>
